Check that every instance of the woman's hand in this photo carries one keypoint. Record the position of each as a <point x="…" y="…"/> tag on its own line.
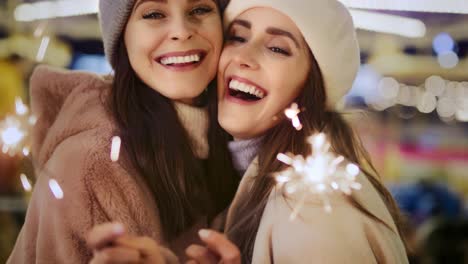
<point x="218" y="249"/>
<point x="111" y="244"/>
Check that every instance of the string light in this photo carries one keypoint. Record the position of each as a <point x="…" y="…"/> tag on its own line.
<point x="446" y="107"/>
<point x="449" y="98"/>
<point x="321" y="173"/>
<point x="435" y="85"/>
<point x="388" y="88"/>
<point x="427" y="103"/>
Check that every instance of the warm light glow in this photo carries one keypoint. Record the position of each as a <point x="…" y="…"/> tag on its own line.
<point x="436" y="6"/>
<point x="407" y="27"/>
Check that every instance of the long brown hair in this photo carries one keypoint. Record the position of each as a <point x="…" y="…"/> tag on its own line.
<point x="284" y="138"/>
<point x="158" y="148"/>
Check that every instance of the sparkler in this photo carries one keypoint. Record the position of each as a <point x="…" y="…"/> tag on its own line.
<point x="322" y="173"/>
<point x="14" y="130"/>
<point x="292" y="113"/>
<point x="15" y="133"/>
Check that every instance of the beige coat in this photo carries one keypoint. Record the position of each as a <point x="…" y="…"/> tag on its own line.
<point x="346" y="235"/>
<point x="71" y="144"/>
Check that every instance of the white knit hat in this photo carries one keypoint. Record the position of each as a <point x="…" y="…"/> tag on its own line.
<point x="328" y="29"/>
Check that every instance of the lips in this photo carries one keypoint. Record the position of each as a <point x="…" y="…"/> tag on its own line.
<point x="244" y="90"/>
<point x="176" y="60"/>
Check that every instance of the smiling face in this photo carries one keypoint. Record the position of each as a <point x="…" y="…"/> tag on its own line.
<point x="262" y="70"/>
<point x="174" y="45"/>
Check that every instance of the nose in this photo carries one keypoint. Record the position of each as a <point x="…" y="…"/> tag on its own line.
<point x="246" y="57"/>
<point x="181" y="30"/>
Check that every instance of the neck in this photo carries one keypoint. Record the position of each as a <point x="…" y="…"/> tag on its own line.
<point x="196" y="122"/>
<point x="243" y="151"/>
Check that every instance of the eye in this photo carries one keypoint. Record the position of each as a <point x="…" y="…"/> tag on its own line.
<point x="198" y="11"/>
<point x="153" y="15"/>
<point x="280" y="51"/>
<point x="234" y="38"/>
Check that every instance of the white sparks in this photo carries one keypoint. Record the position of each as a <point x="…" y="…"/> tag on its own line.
<point x="292" y="113"/>
<point x="43" y="48"/>
<point x="40" y="29"/>
<point x="115" y="148"/>
<point x="21" y="108"/>
<point x="12" y="135"/>
<point x="26" y="151"/>
<point x="15" y="130"/>
<point x="26" y="184"/>
<point x="56" y="189"/>
<point x="321" y="174"/>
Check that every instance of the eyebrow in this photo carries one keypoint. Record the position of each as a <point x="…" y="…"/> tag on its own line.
<point x="241" y="22"/>
<point x="280" y="32"/>
<point x="271" y="30"/>
<point x="160" y="1"/>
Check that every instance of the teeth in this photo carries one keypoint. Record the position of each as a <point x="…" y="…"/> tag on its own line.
<point x="180" y="59"/>
<point x="246" y="88"/>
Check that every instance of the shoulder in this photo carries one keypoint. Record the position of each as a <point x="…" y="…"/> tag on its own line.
<point x="319" y="234"/>
<point x="66" y="103"/>
<point x="51" y="85"/>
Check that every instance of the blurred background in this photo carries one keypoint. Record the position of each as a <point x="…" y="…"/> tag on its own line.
<point x="409" y="105"/>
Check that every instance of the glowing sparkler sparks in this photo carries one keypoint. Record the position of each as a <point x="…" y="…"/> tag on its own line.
<point x="56" y="189"/>
<point x="321" y="173"/>
<point x="26" y="184"/>
<point x="115" y="148"/>
<point x="14" y="130"/>
<point x="292" y="113"/>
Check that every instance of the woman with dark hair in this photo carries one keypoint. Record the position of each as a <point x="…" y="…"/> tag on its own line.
<point x="279" y="52"/>
<point x="166" y="183"/>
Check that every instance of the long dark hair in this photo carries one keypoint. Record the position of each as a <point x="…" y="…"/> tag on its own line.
<point x="157" y="146"/>
<point x="284" y="138"/>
